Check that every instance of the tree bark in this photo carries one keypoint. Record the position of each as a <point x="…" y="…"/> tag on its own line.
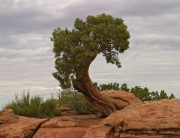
<point x="95" y="99"/>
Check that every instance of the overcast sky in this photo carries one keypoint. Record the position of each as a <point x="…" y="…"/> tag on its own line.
<point x="27" y="60"/>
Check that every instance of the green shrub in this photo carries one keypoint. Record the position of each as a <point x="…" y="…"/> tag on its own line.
<point x="142" y="93"/>
<point x="34" y="106"/>
<point x="48" y="108"/>
<point x="74" y="101"/>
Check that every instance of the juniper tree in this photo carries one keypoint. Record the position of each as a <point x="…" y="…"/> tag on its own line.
<point x="76" y="49"/>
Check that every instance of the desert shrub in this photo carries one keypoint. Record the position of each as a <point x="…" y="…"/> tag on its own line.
<point x="48" y="108"/>
<point x="33" y="106"/>
<point x="74" y="101"/>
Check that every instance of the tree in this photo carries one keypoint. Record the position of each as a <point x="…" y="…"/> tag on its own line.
<point x="142" y="94"/>
<point x="76" y="49"/>
<point x="171" y="96"/>
<point x="163" y="95"/>
<point x="155" y="96"/>
<point x="124" y="87"/>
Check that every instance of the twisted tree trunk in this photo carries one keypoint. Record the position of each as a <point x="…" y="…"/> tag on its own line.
<point x="95" y="99"/>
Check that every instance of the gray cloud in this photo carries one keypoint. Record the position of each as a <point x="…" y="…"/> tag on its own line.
<point x="149" y="8"/>
<point x="26" y="58"/>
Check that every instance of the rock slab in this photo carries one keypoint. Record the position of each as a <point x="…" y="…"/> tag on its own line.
<point x="73" y="126"/>
<point x="12" y="126"/>
<point x="7" y="116"/>
<point x="122" y="98"/>
<point x="98" y="131"/>
<point x="157" y="119"/>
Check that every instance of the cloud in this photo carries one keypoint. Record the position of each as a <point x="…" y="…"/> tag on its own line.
<point x="18" y="17"/>
<point x="176" y="84"/>
<point x="27" y="60"/>
<point x="148" y="8"/>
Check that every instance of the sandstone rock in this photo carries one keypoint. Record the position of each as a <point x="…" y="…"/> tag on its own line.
<point x="20" y="127"/>
<point x="122" y="98"/>
<point x="98" y="131"/>
<point x="155" y="119"/>
<point x="72" y="121"/>
<point x="7" y="116"/>
<point x="68" y="132"/>
<point x="73" y="126"/>
<point x="68" y="113"/>
<point x="59" y="122"/>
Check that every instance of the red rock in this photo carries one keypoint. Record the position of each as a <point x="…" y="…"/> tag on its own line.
<point x="157" y="119"/>
<point x="7" y="116"/>
<point x="58" y="122"/>
<point x="74" y="126"/>
<point x="150" y="119"/>
<point x="68" y="132"/>
<point x="122" y="98"/>
<point x="98" y="131"/>
<point x="20" y="127"/>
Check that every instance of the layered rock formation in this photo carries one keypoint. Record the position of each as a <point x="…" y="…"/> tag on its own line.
<point x="73" y="126"/>
<point x="68" y="126"/>
<point x="157" y="119"/>
<point x="122" y="98"/>
<point x="12" y="126"/>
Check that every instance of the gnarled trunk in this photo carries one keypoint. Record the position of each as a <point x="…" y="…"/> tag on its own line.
<point x="95" y="99"/>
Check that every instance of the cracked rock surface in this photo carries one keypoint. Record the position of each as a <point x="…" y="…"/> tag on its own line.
<point x="13" y="126"/>
<point x="157" y="119"/>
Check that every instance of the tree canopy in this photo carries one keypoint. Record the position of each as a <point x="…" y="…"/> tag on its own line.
<point x="75" y="49"/>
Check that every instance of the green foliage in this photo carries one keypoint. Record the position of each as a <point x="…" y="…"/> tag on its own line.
<point x="124" y="87"/>
<point x="109" y="86"/>
<point x="75" y="49"/>
<point x="171" y="96"/>
<point x="74" y="101"/>
<point x="142" y="93"/>
<point x="33" y="107"/>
